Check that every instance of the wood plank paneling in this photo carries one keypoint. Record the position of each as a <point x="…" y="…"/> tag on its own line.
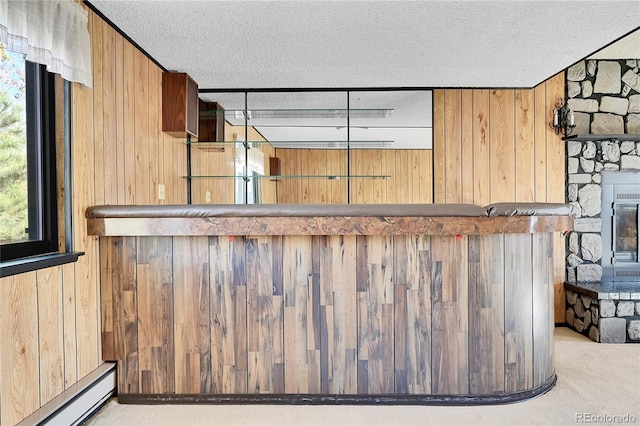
<point x="19" y="348"/>
<point x="518" y="315"/>
<point x="515" y="155"/>
<point x="449" y="294"/>
<point x="50" y="333"/>
<point x="481" y="143"/>
<point x="486" y="307"/>
<point x="330" y="314"/>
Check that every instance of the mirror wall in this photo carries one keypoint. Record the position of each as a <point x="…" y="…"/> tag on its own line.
<point x="313" y="147"/>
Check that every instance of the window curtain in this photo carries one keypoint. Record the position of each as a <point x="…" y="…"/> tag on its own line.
<point x="49" y="32"/>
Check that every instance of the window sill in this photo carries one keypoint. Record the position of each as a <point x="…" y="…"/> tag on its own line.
<point x="28" y="264"/>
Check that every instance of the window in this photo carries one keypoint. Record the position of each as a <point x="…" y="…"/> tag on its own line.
<point x="28" y="201"/>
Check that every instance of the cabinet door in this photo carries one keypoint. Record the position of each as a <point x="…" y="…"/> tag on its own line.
<point x="179" y="104"/>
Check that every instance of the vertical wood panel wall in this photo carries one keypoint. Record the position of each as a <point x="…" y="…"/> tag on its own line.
<point x="496" y="145"/>
<point x="365" y="314"/>
<point x="50" y="319"/>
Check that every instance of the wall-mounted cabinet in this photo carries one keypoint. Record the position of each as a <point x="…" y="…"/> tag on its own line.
<point x="179" y="104"/>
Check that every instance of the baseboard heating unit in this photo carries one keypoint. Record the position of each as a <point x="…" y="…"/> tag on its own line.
<point x="76" y="404"/>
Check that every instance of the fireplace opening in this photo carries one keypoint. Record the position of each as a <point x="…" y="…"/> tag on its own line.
<point x="620" y="223"/>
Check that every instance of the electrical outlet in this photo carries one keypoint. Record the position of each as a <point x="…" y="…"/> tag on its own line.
<point x="160" y="192"/>
<point x="207" y="197"/>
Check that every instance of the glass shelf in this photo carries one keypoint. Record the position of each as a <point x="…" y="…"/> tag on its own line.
<point x="278" y="177"/>
<point x="297" y="113"/>
<point x="205" y="145"/>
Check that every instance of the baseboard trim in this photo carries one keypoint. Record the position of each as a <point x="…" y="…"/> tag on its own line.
<point x="313" y="399"/>
<point x="81" y="400"/>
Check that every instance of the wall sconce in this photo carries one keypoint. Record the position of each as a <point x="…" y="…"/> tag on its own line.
<point x="563" y="119"/>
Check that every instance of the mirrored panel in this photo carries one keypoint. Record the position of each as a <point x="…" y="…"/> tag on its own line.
<point x="313" y="147"/>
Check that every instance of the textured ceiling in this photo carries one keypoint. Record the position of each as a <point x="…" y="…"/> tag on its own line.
<point x="370" y="44"/>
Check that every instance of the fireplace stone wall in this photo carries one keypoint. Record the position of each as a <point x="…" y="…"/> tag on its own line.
<point x="605" y="97"/>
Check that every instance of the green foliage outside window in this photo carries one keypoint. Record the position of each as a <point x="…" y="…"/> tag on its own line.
<point x="13" y="149"/>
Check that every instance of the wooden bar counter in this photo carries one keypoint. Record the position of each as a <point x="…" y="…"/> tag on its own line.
<point x="398" y="304"/>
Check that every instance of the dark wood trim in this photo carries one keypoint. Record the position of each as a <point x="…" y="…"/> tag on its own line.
<point x="303" y="399"/>
<point x="29" y="264"/>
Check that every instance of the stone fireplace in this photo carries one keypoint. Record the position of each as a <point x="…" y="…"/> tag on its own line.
<point x="602" y="303"/>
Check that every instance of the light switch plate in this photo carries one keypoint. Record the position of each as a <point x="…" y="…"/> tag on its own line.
<point x="160" y="192"/>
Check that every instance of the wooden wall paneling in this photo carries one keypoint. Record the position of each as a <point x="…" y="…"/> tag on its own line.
<point x="502" y="148"/>
<point x="303" y="183"/>
<point x="342" y="184"/>
<point x="122" y="252"/>
<point x="374" y="257"/>
<point x="413" y="185"/>
<point x="337" y="308"/>
<point x="264" y="318"/>
<point x="228" y="314"/>
<point x="296" y="282"/>
<point x="109" y="291"/>
<point x="387" y="165"/>
<point x="110" y="128"/>
<point x="481" y="148"/>
<point x="376" y="171"/>
<point x="542" y="263"/>
<point x="402" y="180"/>
<point x="486" y="295"/>
<point x="98" y="102"/>
<point x="424" y="176"/>
<point x="141" y="127"/>
<point x="555" y="162"/>
<point x="453" y="146"/>
<point x="159" y="136"/>
<point x="313" y="317"/>
<point x="153" y="130"/>
<point x="191" y="315"/>
<point x="466" y="145"/>
<point x="439" y="138"/>
<point x="87" y="309"/>
<point x="314" y="157"/>
<point x="119" y="100"/>
<point x="129" y="123"/>
<point x="450" y="298"/>
<point x="356" y="186"/>
<point x="69" y="325"/>
<point x="155" y="314"/>
<point x="542" y="118"/>
<point x="19" y="348"/>
<point x="518" y="313"/>
<point x="525" y="145"/>
<point x="412" y="287"/>
<point x="50" y="333"/>
<point x="86" y="269"/>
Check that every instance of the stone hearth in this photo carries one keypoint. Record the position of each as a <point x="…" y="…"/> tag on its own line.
<point x="606" y="312"/>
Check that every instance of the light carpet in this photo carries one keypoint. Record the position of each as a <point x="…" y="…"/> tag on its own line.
<point x="597" y="384"/>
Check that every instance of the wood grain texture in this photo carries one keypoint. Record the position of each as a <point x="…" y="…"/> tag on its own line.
<point x="330" y="315"/>
<point x="486" y="307"/>
<point x="50" y="333"/>
<point x="516" y="155"/>
<point x="325" y="225"/>
<point x="19" y="347"/>
<point x="113" y="154"/>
